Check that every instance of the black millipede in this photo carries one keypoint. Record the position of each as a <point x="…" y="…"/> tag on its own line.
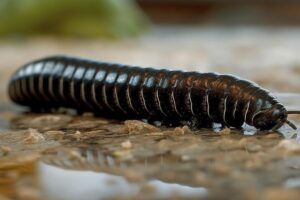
<point x="172" y="97"/>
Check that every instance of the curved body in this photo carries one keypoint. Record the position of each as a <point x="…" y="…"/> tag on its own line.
<point x="174" y="97"/>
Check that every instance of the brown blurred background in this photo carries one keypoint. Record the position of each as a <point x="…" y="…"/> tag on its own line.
<point x="225" y="12"/>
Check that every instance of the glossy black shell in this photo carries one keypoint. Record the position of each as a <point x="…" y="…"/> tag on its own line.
<point x="117" y="90"/>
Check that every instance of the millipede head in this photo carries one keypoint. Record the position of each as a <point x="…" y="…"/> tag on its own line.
<point x="271" y="118"/>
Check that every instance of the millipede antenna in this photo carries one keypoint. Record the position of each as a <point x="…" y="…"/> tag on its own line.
<point x="293" y="112"/>
<point x="293" y="126"/>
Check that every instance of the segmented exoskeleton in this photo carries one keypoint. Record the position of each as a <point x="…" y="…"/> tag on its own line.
<point x="173" y="97"/>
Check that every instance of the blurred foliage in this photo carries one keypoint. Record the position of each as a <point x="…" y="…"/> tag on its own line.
<point x="75" y="18"/>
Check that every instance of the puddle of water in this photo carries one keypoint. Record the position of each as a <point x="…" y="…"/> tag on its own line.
<point x="293" y="183"/>
<point x="58" y="183"/>
<point x="93" y="174"/>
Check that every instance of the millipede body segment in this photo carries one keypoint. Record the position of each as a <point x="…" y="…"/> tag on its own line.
<point x="173" y="97"/>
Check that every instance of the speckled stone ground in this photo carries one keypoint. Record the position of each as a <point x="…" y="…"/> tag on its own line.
<point x="67" y="156"/>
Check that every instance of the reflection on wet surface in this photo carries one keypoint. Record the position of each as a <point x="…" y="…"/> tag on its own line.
<point x="58" y="183"/>
<point x="63" y="156"/>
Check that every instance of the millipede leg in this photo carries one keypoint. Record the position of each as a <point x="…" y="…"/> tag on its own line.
<point x="195" y="123"/>
<point x="170" y="122"/>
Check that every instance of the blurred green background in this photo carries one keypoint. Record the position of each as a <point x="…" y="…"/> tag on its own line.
<point x="75" y="18"/>
<point x="123" y="18"/>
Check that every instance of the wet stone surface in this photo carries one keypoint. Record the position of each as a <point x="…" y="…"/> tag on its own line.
<point x="43" y="154"/>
